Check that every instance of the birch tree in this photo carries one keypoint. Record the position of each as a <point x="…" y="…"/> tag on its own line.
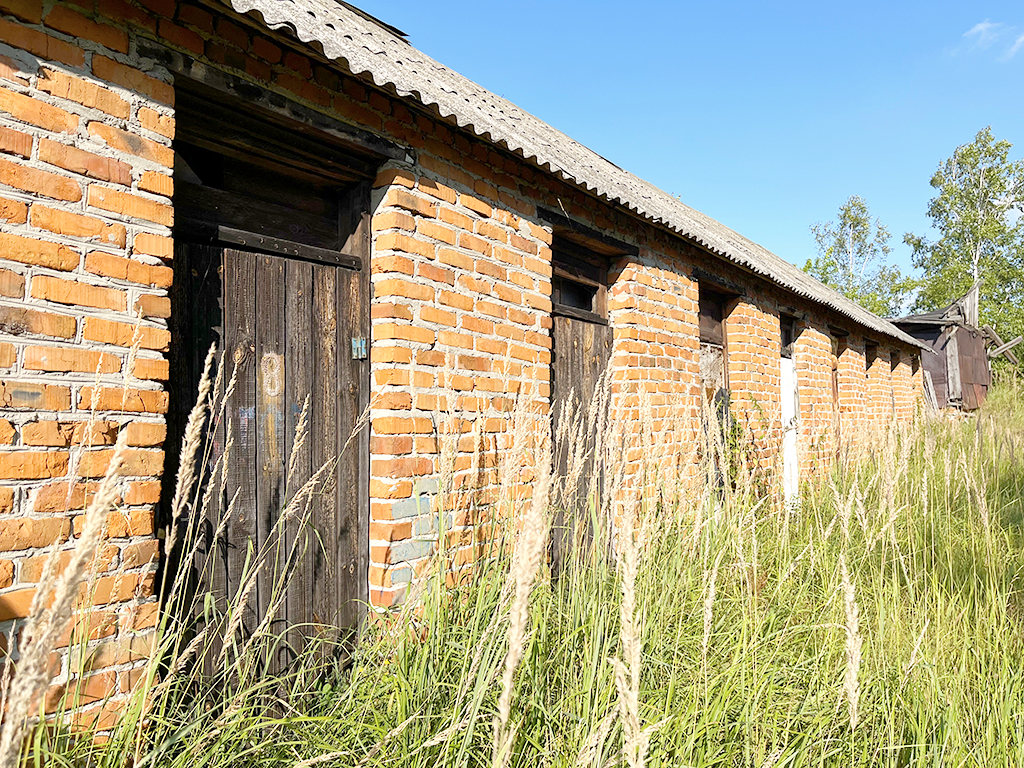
<point x="853" y="258"/>
<point x="977" y="215"/>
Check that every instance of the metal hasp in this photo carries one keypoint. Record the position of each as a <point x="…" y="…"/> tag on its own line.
<point x="358" y="347"/>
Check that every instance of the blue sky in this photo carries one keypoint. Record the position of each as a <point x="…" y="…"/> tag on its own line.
<point x="764" y="116"/>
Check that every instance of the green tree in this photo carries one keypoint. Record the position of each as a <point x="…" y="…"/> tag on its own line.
<point x="853" y="253"/>
<point x="977" y="214"/>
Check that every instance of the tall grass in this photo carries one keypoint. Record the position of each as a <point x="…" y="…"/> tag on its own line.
<point x="880" y="623"/>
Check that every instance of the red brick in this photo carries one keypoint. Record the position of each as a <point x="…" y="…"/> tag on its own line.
<point x="132" y="79"/>
<point x="152" y="370"/>
<point x="182" y="37"/>
<point x="129" y="205"/>
<point x="128" y="269"/>
<point x="65" y="20"/>
<point x="30" y="465"/>
<point x="133" y="144"/>
<point x="7" y="433"/>
<point x="85" y="163"/>
<point x="80" y="294"/>
<point x="41" y="45"/>
<point x="12" y="70"/>
<point x="123" y="334"/>
<point x="14" y="142"/>
<point x="63" y="497"/>
<point x="75" y="225"/>
<point x="13" y="211"/>
<point x="143" y="492"/>
<point x="134" y="463"/>
<point x="146" y="433"/>
<point x="40" y="182"/>
<point x="36" y="397"/>
<point x="29" y="110"/>
<point x="233" y="34"/>
<point x="70" y="359"/>
<point x="26" y="10"/>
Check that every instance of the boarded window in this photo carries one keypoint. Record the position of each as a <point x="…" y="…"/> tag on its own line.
<point x="788" y="333"/>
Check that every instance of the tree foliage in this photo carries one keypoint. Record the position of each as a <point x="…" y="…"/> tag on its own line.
<point x="977" y="214"/>
<point x="853" y="253"/>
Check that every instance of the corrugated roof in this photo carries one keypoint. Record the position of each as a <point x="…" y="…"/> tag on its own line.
<point x="370" y="49"/>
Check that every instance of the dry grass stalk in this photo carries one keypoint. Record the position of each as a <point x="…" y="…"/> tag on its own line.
<point x="51" y="610"/>
<point x="591" y="748"/>
<point x="854" y="643"/>
<point x="526" y="561"/>
<point x="709" y="604"/>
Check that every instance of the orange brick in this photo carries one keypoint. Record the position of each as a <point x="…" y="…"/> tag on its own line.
<point x="26" y="109"/>
<point x="79" y="294"/>
<point x="154" y="370"/>
<point x="14" y="142"/>
<point x="84" y="92"/>
<point x="85" y="163"/>
<point x="437" y="274"/>
<point x="6" y="573"/>
<point x="26" y="10"/>
<point x="7" y="433"/>
<point x="6" y="500"/>
<point x="132" y="79"/>
<point x="38" y="252"/>
<point x="40" y="182"/>
<point x="36" y="397"/>
<point x="403" y="288"/>
<point x="31" y="465"/>
<point x="153" y="306"/>
<point x="63" y="497"/>
<point x="394" y="220"/>
<point x="476" y="205"/>
<point x="154" y="245"/>
<point x="129" y="270"/>
<point x="65" y="20"/>
<point x="393" y="263"/>
<point x="133" y="144"/>
<point x="75" y="225"/>
<point x="70" y="359"/>
<point x="385" y="331"/>
<point x="32" y="568"/>
<point x="13" y="211"/>
<point x="129" y="205"/>
<point x="146" y="433"/>
<point x="458" y="220"/>
<point x="157" y="183"/>
<point x="18" y="320"/>
<point x="123" y="334"/>
<point x="392" y="241"/>
<point x="394" y="176"/>
<point x="117" y="588"/>
<point x="438" y="190"/>
<point x="16" y="605"/>
<point x="141" y="553"/>
<point x="152" y="120"/>
<point x="39" y="44"/>
<point x="123" y="399"/>
<point x="134" y="463"/>
<point x="11" y="284"/>
<point x="400" y="198"/>
<point x="143" y="492"/>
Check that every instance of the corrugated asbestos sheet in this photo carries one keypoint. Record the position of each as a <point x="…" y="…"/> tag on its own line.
<point x="369" y="49"/>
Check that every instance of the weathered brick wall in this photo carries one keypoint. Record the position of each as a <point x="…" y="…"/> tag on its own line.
<point x="85" y="182"/>
<point x="852" y="393"/>
<point x="753" y="349"/>
<point x="879" y="392"/>
<point x="812" y="357"/>
<point x="461" y="274"/>
<point x="903" y="395"/>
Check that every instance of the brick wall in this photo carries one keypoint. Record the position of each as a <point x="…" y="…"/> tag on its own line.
<point x="85" y="182"/>
<point x="852" y="392"/>
<point x="812" y="356"/>
<point x="879" y="391"/>
<point x="461" y="275"/>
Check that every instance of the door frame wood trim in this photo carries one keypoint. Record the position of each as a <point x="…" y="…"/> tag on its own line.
<point x="218" y="234"/>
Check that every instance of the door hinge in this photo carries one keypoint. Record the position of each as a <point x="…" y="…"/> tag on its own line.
<point x="358" y="347"/>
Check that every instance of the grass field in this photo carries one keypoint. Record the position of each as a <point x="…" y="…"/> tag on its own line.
<point x="881" y="623"/>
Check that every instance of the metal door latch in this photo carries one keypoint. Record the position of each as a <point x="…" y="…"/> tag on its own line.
<point x="358" y="347"/>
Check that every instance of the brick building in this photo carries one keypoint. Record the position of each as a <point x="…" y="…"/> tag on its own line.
<point x="354" y="222"/>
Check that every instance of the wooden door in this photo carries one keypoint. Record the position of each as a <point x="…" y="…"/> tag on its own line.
<point x="286" y="328"/>
<point x="581" y="350"/>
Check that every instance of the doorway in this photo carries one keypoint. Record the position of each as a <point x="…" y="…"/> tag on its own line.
<point x="789" y="391"/>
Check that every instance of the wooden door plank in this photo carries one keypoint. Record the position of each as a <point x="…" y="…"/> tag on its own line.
<point x="241" y="529"/>
<point x="298" y="386"/>
<point x="349" y="513"/>
<point x="324" y="442"/>
<point x="270" y="430"/>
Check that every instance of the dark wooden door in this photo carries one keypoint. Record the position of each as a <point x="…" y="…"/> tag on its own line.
<point x="581" y="350"/>
<point x="285" y="326"/>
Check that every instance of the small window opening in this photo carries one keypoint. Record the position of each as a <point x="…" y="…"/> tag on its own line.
<point x="788" y="327"/>
<point x="579" y="280"/>
<point x="870" y="356"/>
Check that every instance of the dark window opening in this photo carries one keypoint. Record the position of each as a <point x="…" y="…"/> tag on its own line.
<point x="712" y="316"/>
<point x="789" y="333"/>
<point x="870" y="356"/>
<point x="579" y="280"/>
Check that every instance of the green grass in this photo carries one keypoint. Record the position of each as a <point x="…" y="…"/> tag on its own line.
<point x="930" y="526"/>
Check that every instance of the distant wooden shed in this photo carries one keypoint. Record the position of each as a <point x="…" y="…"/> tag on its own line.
<point x="959" y="368"/>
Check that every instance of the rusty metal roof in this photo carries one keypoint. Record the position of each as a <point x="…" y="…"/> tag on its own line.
<point x="371" y="49"/>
